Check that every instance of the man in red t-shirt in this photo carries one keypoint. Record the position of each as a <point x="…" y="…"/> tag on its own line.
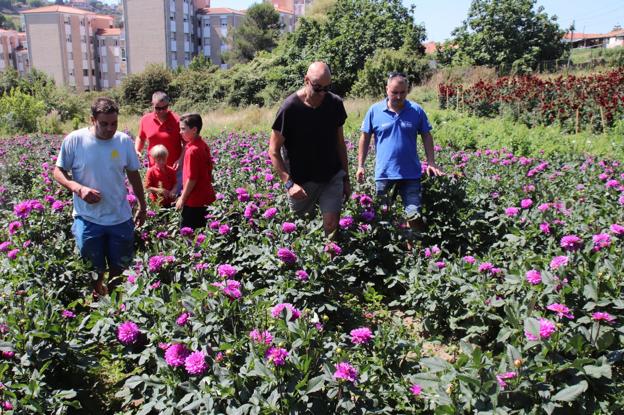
<point x="162" y="127"/>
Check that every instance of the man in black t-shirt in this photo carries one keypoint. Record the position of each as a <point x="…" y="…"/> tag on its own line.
<point x="309" y="127"/>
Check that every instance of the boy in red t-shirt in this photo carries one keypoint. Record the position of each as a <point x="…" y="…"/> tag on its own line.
<point x="197" y="190"/>
<point x="160" y="180"/>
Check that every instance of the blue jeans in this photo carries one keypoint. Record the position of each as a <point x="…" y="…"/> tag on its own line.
<point x="102" y="244"/>
<point x="409" y="190"/>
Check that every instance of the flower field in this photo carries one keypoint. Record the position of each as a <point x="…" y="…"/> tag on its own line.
<point x="592" y="102"/>
<point x="511" y="301"/>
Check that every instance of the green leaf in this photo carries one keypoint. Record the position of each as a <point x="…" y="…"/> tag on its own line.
<point x="315" y="384"/>
<point x="598" y="371"/>
<point x="570" y="393"/>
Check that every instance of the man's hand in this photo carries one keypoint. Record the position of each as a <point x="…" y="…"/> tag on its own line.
<point x="89" y="195"/>
<point x="346" y="188"/>
<point x="176" y="165"/>
<point x="139" y="217"/>
<point x="360" y="174"/>
<point x="297" y="192"/>
<point x="139" y="154"/>
<point x="434" y="170"/>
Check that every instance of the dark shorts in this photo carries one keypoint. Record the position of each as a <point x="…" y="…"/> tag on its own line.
<point x="329" y="196"/>
<point x="410" y="191"/>
<point x="193" y="217"/>
<point x="103" y="245"/>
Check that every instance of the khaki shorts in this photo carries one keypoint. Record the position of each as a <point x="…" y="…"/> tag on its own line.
<point x="328" y="195"/>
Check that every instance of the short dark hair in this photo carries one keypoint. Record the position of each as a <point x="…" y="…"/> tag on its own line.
<point x="192" y="121"/>
<point x="104" y="105"/>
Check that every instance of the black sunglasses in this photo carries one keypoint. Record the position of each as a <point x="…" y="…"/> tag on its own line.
<point x="393" y="75"/>
<point x="318" y="88"/>
<point x="164" y="107"/>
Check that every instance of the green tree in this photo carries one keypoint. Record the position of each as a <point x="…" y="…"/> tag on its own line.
<point x="507" y="33"/>
<point x="259" y="31"/>
<point x="137" y="89"/>
<point x="19" y="112"/>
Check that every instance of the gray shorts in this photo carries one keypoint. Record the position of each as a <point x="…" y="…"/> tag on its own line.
<point x="328" y="195"/>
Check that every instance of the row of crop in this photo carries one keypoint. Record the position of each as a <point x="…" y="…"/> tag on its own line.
<point x="592" y="102"/>
<point x="259" y="313"/>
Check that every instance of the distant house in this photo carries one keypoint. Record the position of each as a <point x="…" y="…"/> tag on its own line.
<point x="596" y="40"/>
<point x="430" y="47"/>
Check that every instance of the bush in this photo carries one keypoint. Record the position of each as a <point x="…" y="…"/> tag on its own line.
<point x="137" y="89"/>
<point x="371" y="80"/>
<point x="19" y="112"/>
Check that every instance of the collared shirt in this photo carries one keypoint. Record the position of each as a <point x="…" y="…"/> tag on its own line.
<point x="161" y="179"/>
<point x="166" y="133"/>
<point x="395" y="139"/>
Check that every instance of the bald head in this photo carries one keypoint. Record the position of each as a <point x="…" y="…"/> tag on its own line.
<point x="319" y="72"/>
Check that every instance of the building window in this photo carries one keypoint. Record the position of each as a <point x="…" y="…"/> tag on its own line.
<point x="173" y="35"/>
<point x="85" y="72"/>
<point x="70" y="55"/>
<point x="69" y="39"/>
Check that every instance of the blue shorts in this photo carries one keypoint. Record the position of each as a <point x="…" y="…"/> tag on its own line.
<point x="409" y="190"/>
<point x="102" y="245"/>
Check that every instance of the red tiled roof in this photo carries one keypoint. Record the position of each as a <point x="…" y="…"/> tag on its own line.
<point x="430" y="47"/>
<point x="56" y="9"/>
<point x="109" y="32"/>
<point x="286" y="11"/>
<point x="581" y="36"/>
<point x="219" y="10"/>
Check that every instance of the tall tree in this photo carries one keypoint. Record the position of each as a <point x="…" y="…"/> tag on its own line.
<point x="259" y="31"/>
<point x="505" y="33"/>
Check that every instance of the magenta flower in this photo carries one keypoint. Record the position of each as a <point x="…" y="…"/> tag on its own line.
<point x="512" y="211"/>
<point x="224" y="229"/>
<point x="526" y="203"/>
<point x="361" y="335"/>
<point x="182" y="319"/>
<point x="468" y="259"/>
<point x="502" y="377"/>
<point x="286" y="256"/>
<point x="14" y="226"/>
<point x="7" y="406"/>
<point x="365" y="200"/>
<point x="601" y="240"/>
<point x="226" y="270"/>
<point x="486" y="267"/>
<point x="289" y="227"/>
<point x="269" y="213"/>
<point x="346" y="222"/>
<point x="416" y="389"/>
<point x="22" y="210"/>
<point x="617" y="229"/>
<point x="440" y="264"/>
<point x="558" y="262"/>
<point x="345" y="371"/>
<point x="533" y="277"/>
<point x="543" y="207"/>
<point x="546" y="329"/>
<point x="301" y="275"/>
<point x="176" y="354"/>
<point x="262" y="337"/>
<point x="128" y="333"/>
<point x="333" y="249"/>
<point x="68" y="314"/>
<point x="195" y="363"/>
<point x="276" y="355"/>
<point x="277" y="310"/>
<point x="603" y="316"/>
<point x="545" y="228"/>
<point x="561" y="310"/>
<point x="12" y="254"/>
<point x="571" y="242"/>
<point x="230" y="288"/>
<point x="156" y="262"/>
<point x="186" y="231"/>
<point x="4" y="246"/>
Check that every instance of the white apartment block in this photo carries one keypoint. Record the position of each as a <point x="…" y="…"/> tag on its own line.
<point x="160" y="32"/>
<point x="13" y="52"/>
<point x="61" y="43"/>
<point x="111" y="57"/>
<point x="296" y="7"/>
<point x="214" y="26"/>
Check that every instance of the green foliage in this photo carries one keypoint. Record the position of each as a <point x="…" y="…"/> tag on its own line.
<point x="19" y="112"/>
<point x="137" y="89"/>
<point x="259" y="31"/>
<point x="510" y="34"/>
<point x="371" y="80"/>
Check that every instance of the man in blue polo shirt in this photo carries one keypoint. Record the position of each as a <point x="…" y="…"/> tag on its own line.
<point x="396" y="122"/>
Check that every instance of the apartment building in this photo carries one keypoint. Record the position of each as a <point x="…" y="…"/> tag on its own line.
<point x="61" y="43"/>
<point x="12" y="49"/>
<point x="214" y="25"/>
<point x="297" y="7"/>
<point x="161" y="32"/>
<point x="111" y="57"/>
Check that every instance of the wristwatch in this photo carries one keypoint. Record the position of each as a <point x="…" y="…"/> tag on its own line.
<point x="289" y="183"/>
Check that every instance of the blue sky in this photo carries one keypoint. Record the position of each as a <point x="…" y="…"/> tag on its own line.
<point x="440" y="17"/>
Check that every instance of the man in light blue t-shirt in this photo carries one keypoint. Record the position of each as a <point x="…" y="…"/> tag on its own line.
<point x="93" y="164"/>
<point x="396" y="122"/>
